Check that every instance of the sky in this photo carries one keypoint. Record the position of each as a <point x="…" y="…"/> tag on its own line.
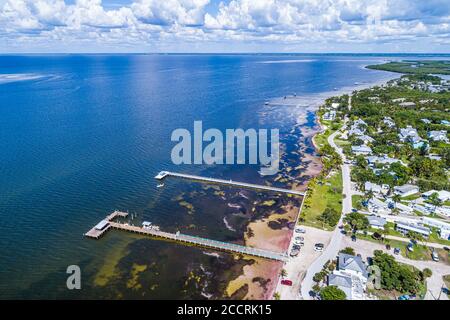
<point x="204" y="26"/>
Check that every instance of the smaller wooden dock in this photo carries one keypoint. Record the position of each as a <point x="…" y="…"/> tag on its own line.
<point x="103" y="226"/>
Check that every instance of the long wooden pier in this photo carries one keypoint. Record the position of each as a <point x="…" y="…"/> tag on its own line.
<point x="164" y="174"/>
<point x="107" y="224"/>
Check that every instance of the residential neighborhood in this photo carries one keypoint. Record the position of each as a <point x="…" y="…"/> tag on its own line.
<point x="397" y="199"/>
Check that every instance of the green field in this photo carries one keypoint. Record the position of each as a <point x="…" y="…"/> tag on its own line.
<point x="326" y="194"/>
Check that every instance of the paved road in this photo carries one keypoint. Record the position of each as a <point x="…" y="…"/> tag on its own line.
<point x="439" y="269"/>
<point x="333" y="247"/>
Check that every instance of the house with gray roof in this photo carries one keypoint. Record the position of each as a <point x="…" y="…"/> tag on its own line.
<point x="361" y="150"/>
<point x="438" y="135"/>
<point x="343" y="282"/>
<point x="406" y="190"/>
<point x="376" y="222"/>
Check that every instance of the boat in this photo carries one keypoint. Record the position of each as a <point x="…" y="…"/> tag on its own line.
<point x="160" y="185"/>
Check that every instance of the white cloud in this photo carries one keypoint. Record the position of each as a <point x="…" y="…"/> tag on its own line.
<point x="258" y="21"/>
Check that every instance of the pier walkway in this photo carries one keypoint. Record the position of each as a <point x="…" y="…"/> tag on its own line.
<point x="164" y="174"/>
<point x="107" y="224"/>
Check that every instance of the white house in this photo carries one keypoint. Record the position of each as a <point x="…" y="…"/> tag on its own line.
<point x="376" y="188"/>
<point x="377" y="206"/>
<point x="376" y="222"/>
<point x="406" y="227"/>
<point x="406" y="190"/>
<point x="361" y="150"/>
<point x="438" y="135"/>
<point x="442" y="226"/>
<point x="443" y="195"/>
<point x="350" y="276"/>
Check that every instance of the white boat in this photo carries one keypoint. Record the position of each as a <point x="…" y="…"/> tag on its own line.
<point x="160" y="185"/>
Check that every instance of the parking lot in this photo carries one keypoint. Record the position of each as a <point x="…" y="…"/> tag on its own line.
<point x="296" y="267"/>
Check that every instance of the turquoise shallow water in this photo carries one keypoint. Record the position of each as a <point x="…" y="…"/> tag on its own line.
<point x="83" y="135"/>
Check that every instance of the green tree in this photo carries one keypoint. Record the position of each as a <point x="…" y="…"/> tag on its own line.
<point x="332" y="293"/>
<point x="330" y="216"/>
<point x="357" y="221"/>
<point x="427" y="273"/>
<point x="348" y="250"/>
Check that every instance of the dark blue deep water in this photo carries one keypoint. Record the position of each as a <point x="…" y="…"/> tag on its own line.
<point x="83" y="135"/>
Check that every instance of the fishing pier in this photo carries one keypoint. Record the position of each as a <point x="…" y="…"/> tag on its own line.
<point x="164" y="174"/>
<point x="108" y="223"/>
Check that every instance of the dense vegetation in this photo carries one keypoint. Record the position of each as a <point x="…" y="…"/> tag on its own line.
<point x="332" y="293"/>
<point x="395" y="276"/>
<point x="375" y="104"/>
<point x="416" y="67"/>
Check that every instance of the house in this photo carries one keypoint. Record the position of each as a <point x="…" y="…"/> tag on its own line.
<point x="442" y="226"/>
<point x="406" y="190"/>
<point x="389" y="122"/>
<point x="375" y="205"/>
<point x="376" y="188"/>
<point x="438" y="135"/>
<point x="335" y="105"/>
<point x="361" y="150"/>
<point x="403" y="208"/>
<point x="443" y="195"/>
<point x="358" y="128"/>
<point x="445" y="122"/>
<point x="443" y="211"/>
<point x="376" y="222"/>
<point x="404" y="228"/>
<point x="373" y="160"/>
<point x="407" y="104"/>
<point x="351" y="276"/>
<point x="365" y="138"/>
<point x="409" y="134"/>
<point x="426" y="121"/>
<point x="398" y="100"/>
<point x="342" y="282"/>
<point x="329" y="116"/>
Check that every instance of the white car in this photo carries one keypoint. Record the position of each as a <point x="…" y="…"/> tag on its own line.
<point x="300" y="230"/>
<point x="298" y="243"/>
<point x="435" y="256"/>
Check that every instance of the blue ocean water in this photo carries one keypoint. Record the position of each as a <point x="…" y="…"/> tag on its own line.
<point x="81" y="135"/>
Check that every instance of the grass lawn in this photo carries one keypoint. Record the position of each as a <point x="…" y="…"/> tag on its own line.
<point x="321" y="139"/>
<point x="356" y="201"/>
<point x="328" y="194"/>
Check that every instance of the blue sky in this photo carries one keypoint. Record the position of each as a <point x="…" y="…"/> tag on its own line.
<point x="225" y="26"/>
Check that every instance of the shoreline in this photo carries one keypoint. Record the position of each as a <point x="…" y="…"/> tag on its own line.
<point x="260" y="233"/>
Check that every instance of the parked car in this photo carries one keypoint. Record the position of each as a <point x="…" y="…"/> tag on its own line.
<point x="296" y="246"/>
<point x="353" y="238"/>
<point x="299" y="238"/>
<point x="396" y="250"/>
<point x="410" y="247"/>
<point x="294" y="252"/>
<point x="286" y="282"/>
<point x="435" y="256"/>
<point x="300" y="230"/>
<point x="298" y="243"/>
<point x="319" y="247"/>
